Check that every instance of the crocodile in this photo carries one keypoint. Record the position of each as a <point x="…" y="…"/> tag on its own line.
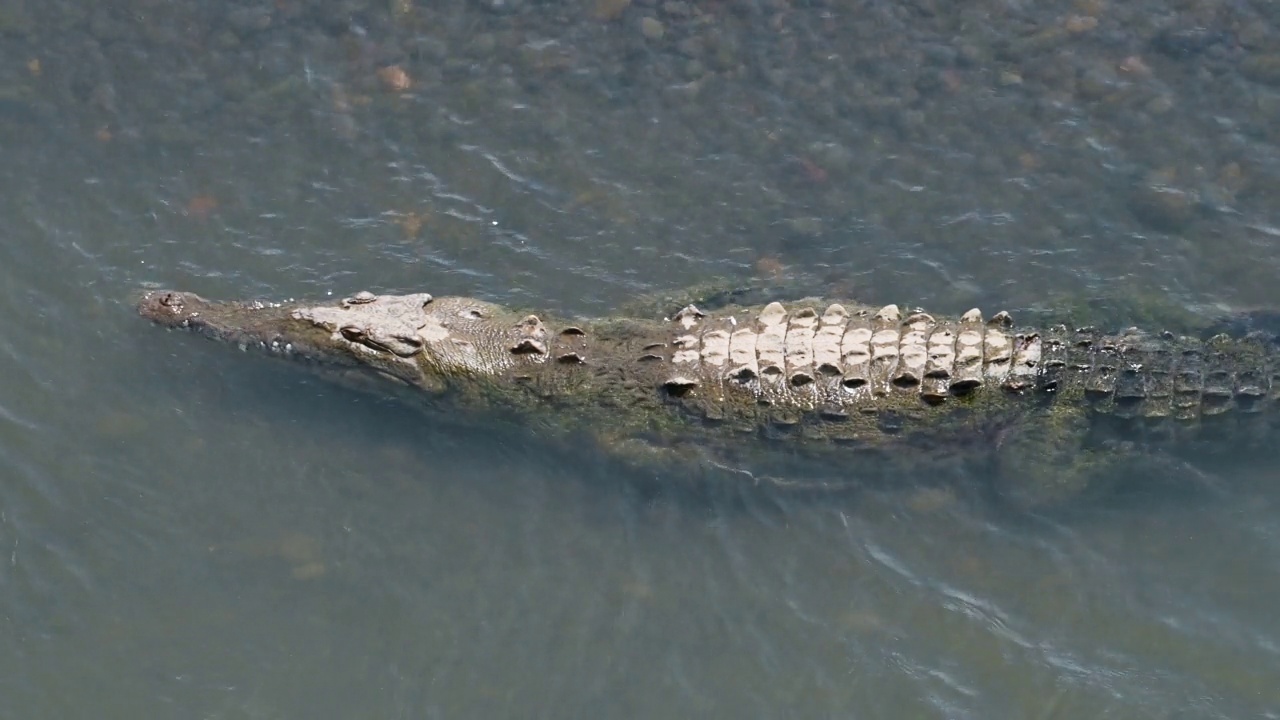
<point x="856" y="389"/>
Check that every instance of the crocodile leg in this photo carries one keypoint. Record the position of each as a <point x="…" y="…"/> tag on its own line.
<point x="1048" y="459"/>
<point x="1042" y="460"/>
<point x="715" y="473"/>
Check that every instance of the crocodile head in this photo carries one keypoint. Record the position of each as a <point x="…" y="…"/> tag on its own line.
<point x="424" y="341"/>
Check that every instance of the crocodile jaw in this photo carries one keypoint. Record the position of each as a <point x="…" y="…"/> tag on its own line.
<point x="417" y="339"/>
<point x="272" y="327"/>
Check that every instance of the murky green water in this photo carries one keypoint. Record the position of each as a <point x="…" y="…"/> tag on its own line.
<point x="188" y="533"/>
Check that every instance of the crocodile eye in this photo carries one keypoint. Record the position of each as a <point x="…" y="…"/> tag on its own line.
<point x="473" y="313"/>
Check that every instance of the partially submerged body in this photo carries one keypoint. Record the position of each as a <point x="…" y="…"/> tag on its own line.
<point x="858" y="389"/>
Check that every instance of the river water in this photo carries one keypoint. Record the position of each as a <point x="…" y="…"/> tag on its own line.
<point x="187" y="532"/>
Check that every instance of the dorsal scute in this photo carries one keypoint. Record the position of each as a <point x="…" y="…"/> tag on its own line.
<point x="743" y="365"/>
<point x="773" y="314"/>
<point x="826" y="341"/>
<point x="686" y="349"/>
<point x="888" y="313"/>
<point x="997" y="350"/>
<point x="886" y="339"/>
<point x="938" y="369"/>
<point x="1024" y="365"/>
<point x="810" y="357"/>
<point x="835" y="314"/>
<point x="967" y="374"/>
<point x="913" y="350"/>
<point x="688" y="316"/>
<point x="855" y="353"/>
<point x="771" y="341"/>
<point x="715" y="347"/>
<point x="799" y="346"/>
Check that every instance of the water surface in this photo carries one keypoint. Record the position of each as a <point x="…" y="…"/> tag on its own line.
<point x="186" y="532"/>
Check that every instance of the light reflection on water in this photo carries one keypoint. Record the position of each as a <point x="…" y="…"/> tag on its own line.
<point x="184" y="531"/>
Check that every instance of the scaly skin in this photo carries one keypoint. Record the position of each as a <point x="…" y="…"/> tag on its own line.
<point x="735" y="388"/>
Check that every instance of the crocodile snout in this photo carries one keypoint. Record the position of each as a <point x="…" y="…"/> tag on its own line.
<point x="167" y="307"/>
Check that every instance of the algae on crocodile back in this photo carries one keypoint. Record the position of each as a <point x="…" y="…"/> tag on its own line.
<point x="1121" y="308"/>
<point x="715" y="294"/>
<point x="1116" y="308"/>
